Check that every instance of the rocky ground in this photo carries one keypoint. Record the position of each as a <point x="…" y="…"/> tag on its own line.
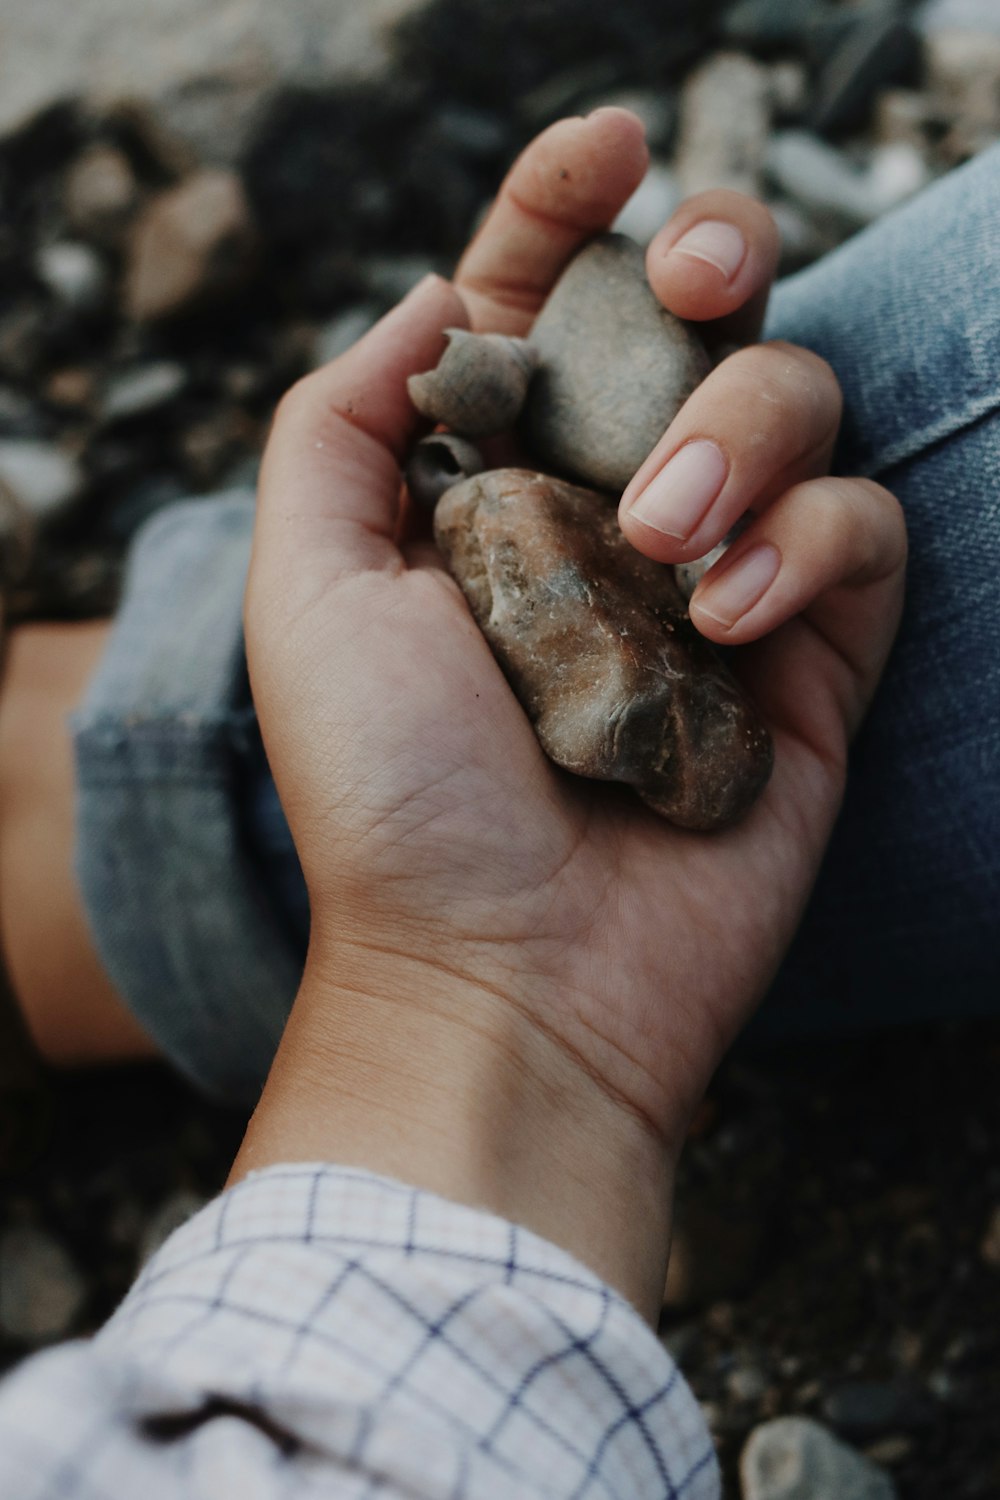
<point x="163" y="279"/>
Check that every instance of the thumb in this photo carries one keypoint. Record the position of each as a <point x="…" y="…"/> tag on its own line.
<point x="329" y="493"/>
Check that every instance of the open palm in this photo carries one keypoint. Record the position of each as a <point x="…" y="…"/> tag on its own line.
<point x="432" y="823"/>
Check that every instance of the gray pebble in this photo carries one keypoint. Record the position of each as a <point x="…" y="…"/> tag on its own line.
<point x="41" y="1290"/>
<point x="794" y="1458"/>
<point x="42" y="477"/>
<point x="614" y="368"/>
<point x="142" y="388"/>
<point x="73" y="272"/>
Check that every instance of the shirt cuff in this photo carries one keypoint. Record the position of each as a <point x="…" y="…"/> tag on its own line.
<point x="396" y="1333"/>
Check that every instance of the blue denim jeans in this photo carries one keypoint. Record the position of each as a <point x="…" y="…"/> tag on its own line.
<point x="185" y="862"/>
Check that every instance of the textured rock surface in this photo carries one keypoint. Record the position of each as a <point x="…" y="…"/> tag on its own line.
<point x="597" y="644"/>
<point x="479" y="384"/>
<point x="614" y="368"/>
<point x="793" y="1458"/>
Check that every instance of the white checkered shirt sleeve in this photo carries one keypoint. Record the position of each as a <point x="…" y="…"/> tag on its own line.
<point x="320" y="1332"/>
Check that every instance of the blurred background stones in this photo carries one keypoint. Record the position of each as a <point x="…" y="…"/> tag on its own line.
<point x="200" y="203"/>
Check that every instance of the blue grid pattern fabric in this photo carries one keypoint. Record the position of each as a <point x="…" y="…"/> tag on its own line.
<point x="321" y="1332"/>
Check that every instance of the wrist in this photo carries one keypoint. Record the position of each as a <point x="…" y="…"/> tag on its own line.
<point x="424" y="1073"/>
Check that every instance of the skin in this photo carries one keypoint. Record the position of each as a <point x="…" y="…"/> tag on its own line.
<point x="518" y="985"/>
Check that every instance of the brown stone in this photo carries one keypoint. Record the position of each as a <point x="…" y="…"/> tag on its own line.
<point x="192" y="245"/>
<point x="597" y="644"/>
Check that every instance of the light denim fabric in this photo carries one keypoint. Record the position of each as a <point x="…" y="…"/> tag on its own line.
<point x="905" y="920"/>
<point x="186" y="865"/>
<point x="167" y="757"/>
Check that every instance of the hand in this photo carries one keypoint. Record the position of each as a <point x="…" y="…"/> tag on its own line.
<point x="519" y="983"/>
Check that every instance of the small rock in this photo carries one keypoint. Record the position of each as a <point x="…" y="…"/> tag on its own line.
<point x="478" y="386"/>
<point x="989" y="1245"/>
<point x="817" y="175"/>
<point x="342" y="332"/>
<point x="72" y="388"/>
<point x="895" y="173"/>
<point x="42" y="477"/>
<point x="651" y="205"/>
<point x="794" y="1458"/>
<point x="960" y="15"/>
<point x="822" y="178"/>
<point x="598" y="647"/>
<point x="41" y="1290"/>
<point x="614" y="368"/>
<point x="171" y="1214"/>
<point x="867" y="1407"/>
<point x="19" y="417"/>
<point x="963" y="73"/>
<point x="747" y="1383"/>
<point x="101" y="195"/>
<point x="143" y="388"/>
<point x="192" y="244"/>
<point x="904" y="117"/>
<point x="788" y="84"/>
<point x="725" y="119"/>
<point x="878" y="50"/>
<point x="74" y="273"/>
<point x="890" y="1451"/>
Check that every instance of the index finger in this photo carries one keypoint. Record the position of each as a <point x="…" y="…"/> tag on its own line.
<point x="569" y="184"/>
<point x="714" y="261"/>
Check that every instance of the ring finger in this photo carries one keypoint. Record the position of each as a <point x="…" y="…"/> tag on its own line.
<point x="763" y="420"/>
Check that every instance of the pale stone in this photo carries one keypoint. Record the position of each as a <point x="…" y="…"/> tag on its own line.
<point x="794" y="1458"/>
<point x="725" y="123"/>
<point x="101" y="194"/>
<point x="614" y="368"/>
<point x="42" y="477"/>
<point x="41" y="1290"/>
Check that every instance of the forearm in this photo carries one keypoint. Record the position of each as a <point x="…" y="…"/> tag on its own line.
<point x="431" y="1078"/>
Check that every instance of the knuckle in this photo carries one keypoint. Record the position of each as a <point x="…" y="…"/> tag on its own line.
<point x="793" y="382"/>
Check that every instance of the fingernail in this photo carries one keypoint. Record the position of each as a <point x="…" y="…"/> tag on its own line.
<point x="677" y="498"/>
<point x="741" y="586"/>
<point x="719" y="244"/>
